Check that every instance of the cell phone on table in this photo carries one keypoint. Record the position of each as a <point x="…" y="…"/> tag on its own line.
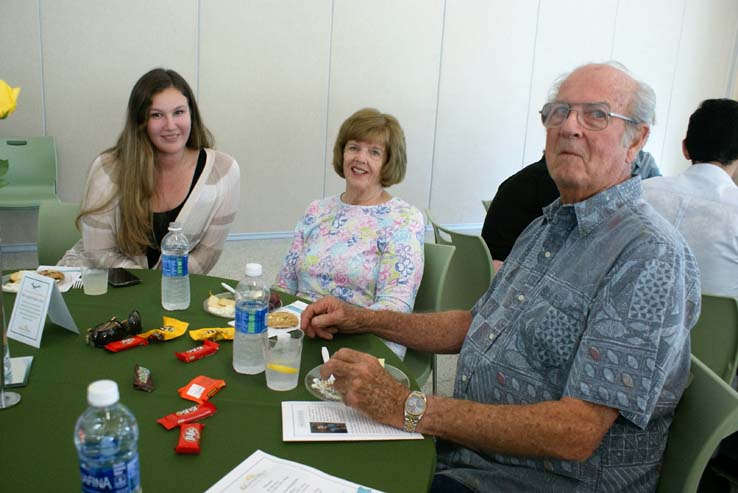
<point x="119" y="277"/>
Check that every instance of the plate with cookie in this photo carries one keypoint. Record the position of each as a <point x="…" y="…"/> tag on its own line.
<point x="221" y="304"/>
<point x="64" y="277"/>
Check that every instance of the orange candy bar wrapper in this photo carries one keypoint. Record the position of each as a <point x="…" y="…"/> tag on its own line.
<point x="194" y="413"/>
<point x="201" y="388"/>
<point x="128" y="343"/>
<point x="206" y="349"/>
<point x="213" y="334"/>
<point x="189" y="438"/>
<point x="171" y="328"/>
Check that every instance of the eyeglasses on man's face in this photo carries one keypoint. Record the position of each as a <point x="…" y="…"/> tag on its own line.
<point x="592" y="116"/>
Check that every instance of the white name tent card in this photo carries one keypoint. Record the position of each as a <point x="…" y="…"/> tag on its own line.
<point x="38" y="296"/>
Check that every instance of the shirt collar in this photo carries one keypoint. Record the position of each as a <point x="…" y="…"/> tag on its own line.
<point x="712" y="171"/>
<point x="591" y="212"/>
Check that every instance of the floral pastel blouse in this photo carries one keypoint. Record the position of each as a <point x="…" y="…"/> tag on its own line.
<point x="370" y="256"/>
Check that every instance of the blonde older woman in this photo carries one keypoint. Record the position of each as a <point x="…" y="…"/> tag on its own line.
<point x="363" y="246"/>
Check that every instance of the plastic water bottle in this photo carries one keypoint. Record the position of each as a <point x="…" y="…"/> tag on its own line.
<point x="106" y="437"/>
<point x="252" y="306"/>
<point x="175" y="278"/>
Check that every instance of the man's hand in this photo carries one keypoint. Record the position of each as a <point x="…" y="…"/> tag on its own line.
<point x="366" y="386"/>
<point x="327" y="316"/>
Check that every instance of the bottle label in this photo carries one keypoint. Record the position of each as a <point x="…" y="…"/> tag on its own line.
<point x="121" y="477"/>
<point x="251" y="321"/>
<point x="174" y="265"/>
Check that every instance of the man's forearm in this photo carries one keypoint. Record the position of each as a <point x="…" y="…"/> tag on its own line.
<point x="568" y="429"/>
<point x="442" y="332"/>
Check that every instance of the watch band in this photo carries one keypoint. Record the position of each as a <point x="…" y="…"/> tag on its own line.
<point x="414" y="410"/>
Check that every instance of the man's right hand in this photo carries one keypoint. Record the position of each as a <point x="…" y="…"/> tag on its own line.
<point x="328" y="316"/>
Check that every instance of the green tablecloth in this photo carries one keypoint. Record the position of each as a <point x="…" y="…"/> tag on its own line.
<point x="36" y="437"/>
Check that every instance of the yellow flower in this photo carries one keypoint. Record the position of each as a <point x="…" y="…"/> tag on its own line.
<point x="8" y="99"/>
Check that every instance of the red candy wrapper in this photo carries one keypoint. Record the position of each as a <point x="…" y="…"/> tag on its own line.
<point x="189" y="438"/>
<point x="199" y="352"/>
<point x="188" y="415"/>
<point x="127" y="343"/>
<point x="201" y="388"/>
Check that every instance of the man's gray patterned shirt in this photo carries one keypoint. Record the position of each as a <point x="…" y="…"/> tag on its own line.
<point x="595" y="302"/>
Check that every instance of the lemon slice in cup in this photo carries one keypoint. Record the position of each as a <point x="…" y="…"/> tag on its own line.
<point x="281" y="368"/>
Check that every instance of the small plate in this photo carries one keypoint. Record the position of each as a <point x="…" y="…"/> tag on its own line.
<point x="326" y="392"/>
<point x="229" y="313"/>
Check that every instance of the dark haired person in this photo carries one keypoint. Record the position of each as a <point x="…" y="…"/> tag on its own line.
<point x="702" y="202"/>
<point x="363" y="246"/>
<point x="162" y="169"/>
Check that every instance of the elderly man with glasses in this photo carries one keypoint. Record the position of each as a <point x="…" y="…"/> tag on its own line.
<point x="572" y="363"/>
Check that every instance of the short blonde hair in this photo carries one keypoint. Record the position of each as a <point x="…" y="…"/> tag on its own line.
<point x="368" y="124"/>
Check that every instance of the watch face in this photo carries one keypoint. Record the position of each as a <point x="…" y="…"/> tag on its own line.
<point x="415" y="405"/>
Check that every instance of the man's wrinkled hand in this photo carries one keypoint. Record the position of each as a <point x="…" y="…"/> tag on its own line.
<point x="366" y="386"/>
<point x="328" y="316"/>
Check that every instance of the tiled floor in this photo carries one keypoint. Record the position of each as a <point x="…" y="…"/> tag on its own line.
<point x="231" y="265"/>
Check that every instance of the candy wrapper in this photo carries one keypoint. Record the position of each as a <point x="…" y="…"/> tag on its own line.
<point x="171" y="329"/>
<point x="128" y="343"/>
<point x="189" y="438"/>
<point x="114" y="330"/>
<point x="194" y="413"/>
<point x="206" y="349"/>
<point x="142" y="379"/>
<point x="213" y="334"/>
<point x="201" y="388"/>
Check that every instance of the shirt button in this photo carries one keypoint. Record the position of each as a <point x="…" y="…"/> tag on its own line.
<point x="464" y="378"/>
<point x="521" y="297"/>
<point x="547" y="254"/>
<point x="491" y="336"/>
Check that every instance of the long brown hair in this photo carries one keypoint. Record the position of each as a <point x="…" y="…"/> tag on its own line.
<point x="132" y="159"/>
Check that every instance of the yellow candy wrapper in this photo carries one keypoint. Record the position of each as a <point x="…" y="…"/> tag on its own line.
<point x="171" y="329"/>
<point x="213" y="334"/>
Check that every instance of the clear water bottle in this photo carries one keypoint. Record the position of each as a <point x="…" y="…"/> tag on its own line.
<point x="175" y="278"/>
<point x="252" y="306"/>
<point x="106" y="437"/>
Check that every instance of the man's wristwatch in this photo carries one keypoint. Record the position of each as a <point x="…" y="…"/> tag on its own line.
<point x="414" y="410"/>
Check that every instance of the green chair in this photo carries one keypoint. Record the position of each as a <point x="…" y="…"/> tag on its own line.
<point x="715" y="337"/>
<point x="31" y="173"/>
<point x="486" y="204"/>
<point x="429" y="298"/>
<point x="707" y="413"/>
<point x="56" y="230"/>
<point x="471" y="271"/>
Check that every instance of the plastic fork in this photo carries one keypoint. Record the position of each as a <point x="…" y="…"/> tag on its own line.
<point x="78" y="283"/>
<point x="326" y="357"/>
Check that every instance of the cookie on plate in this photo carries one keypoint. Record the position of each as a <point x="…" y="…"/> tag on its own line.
<point x="282" y="320"/>
<point x="54" y="274"/>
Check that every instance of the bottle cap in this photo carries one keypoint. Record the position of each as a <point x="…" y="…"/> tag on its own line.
<point x="102" y="393"/>
<point x="175" y="226"/>
<point x="253" y="270"/>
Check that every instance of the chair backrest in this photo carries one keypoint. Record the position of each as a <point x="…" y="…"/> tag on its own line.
<point x="471" y="268"/>
<point x="56" y="230"/>
<point x="31" y="174"/>
<point x="707" y="413"/>
<point x="430" y="295"/>
<point x="715" y="336"/>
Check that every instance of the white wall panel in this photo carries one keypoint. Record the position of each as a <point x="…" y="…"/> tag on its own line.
<point x="386" y="54"/>
<point x="483" y="103"/>
<point x="647" y="36"/>
<point x="702" y="70"/>
<point x="263" y="79"/>
<point x="570" y="33"/>
<point x="93" y="54"/>
<point x="20" y="66"/>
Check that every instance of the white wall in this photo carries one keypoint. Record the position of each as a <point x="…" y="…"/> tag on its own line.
<point x="275" y="79"/>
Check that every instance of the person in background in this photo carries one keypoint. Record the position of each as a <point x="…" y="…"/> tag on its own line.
<point x="162" y="169"/>
<point x="572" y="363"/>
<point x="522" y="197"/>
<point x="363" y="246"/>
<point x="702" y="202"/>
